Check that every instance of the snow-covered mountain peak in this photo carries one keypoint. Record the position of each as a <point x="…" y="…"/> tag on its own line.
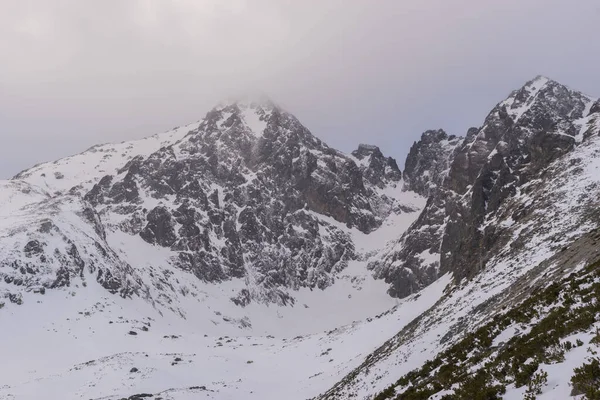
<point x="252" y="125"/>
<point x="378" y="170"/>
<point x="248" y="194"/>
<point x="543" y="95"/>
<point x="243" y="117"/>
<point x="259" y="100"/>
<point x="428" y="161"/>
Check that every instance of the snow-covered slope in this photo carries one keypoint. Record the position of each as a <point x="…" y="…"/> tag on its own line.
<point x="88" y="351"/>
<point x="50" y="242"/>
<point x="85" y="169"/>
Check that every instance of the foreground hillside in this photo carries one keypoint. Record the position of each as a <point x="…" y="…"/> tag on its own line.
<point x="533" y="212"/>
<point x="530" y="350"/>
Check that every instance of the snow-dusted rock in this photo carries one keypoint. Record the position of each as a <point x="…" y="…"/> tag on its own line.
<point x="247" y="193"/>
<point x="474" y="196"/>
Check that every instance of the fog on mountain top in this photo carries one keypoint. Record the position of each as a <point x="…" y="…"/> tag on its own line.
<point x="74" y="73"/>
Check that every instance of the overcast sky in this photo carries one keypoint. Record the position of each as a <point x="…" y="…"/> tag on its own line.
<point x="75" y="73"/>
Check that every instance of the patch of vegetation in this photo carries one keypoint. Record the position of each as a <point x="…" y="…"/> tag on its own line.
<point x="586" y="380"/>
<point x="479" y="387"/>
<point x="538" y="381"/>
<point x="477" y="370"/>
<point x="596" y="339"/>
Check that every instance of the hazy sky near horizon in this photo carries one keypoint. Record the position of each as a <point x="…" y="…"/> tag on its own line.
<point x="76" y="73"/>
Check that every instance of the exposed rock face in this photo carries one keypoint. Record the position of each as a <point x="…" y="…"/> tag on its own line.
<point x="412" y="259"/>
<point x="377" y="169"/>
<point x="459" y="230"/>
<point x="428" y="161"/>
<point x="48" y="242"/>
<point x="160" y="228"/>
<point x="521" y="137"/>
<point x="243" y="192"/>
<point x="248" y="193"/>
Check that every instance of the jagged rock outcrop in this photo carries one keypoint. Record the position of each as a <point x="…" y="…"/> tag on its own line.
<point x="377" y="169"/>
<point x="459" y="230"/>
<point x="521" y="137"/>
<point x="428" y="161"/>
<point x="243" y="192"/>
<point x="412" y="261"/>
<point x="54" y="242"/>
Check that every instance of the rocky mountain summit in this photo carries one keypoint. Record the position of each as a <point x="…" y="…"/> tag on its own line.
<point x="243" y="192"/>
<point x="479" y="187"/>
<point x="247" y="193"/>
<point x="378" y="170"/>
<point x="429" y="160"/>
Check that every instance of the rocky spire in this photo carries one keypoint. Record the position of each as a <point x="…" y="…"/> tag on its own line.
<point x="377" y="169"/>
<point x="521" y="137"/>
<point x="428" y="161"/>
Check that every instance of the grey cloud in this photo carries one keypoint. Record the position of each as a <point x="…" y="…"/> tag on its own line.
<point x="74" y="73"/>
